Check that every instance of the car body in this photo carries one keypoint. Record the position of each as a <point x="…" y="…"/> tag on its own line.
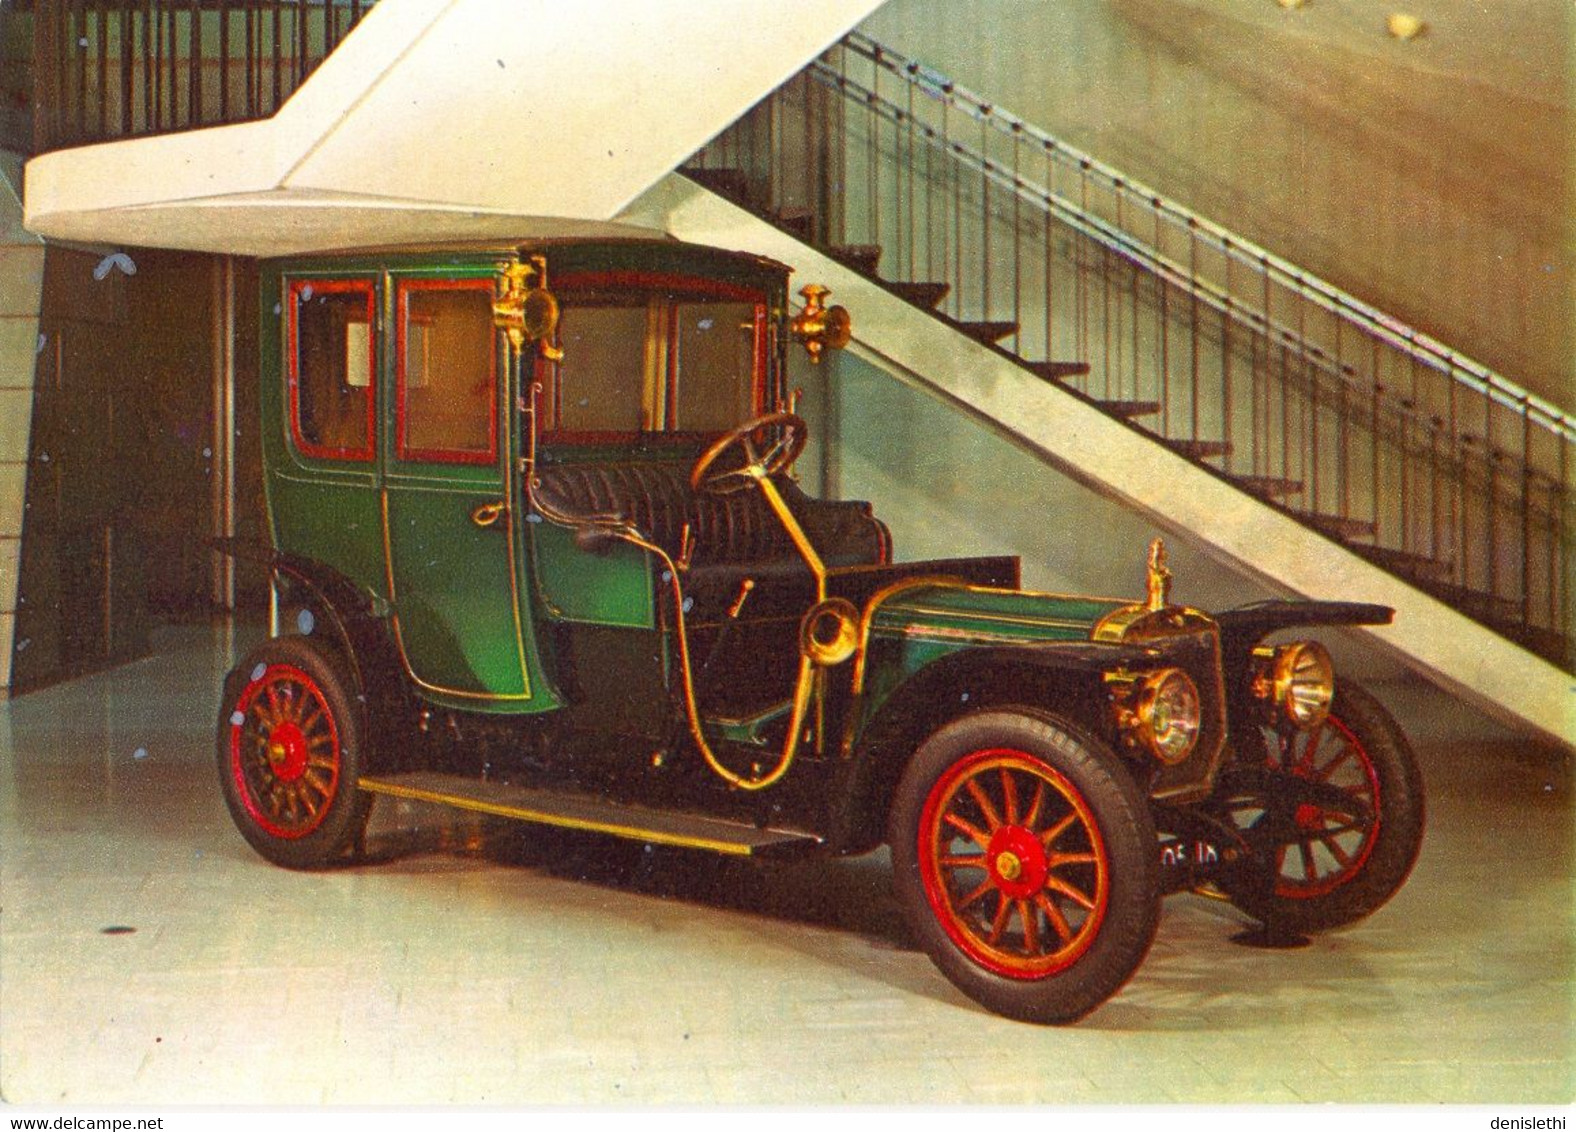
<point x="537" y="551"/>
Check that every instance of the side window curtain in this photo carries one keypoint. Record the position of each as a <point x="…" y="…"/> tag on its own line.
<point x="330" y="370"/>
<point x="447" y="350"/>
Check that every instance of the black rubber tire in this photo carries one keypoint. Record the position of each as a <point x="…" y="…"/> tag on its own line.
<point x="300" y="807"/>
<point x="1378" y="870"/>
<point x="1032" y="751"/>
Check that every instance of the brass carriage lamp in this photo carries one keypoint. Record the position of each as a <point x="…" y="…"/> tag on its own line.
<point x="526" y="314"/>
<point x="819" y="326"/>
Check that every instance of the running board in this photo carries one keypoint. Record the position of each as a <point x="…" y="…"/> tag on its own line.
<point x="594" y="815"/>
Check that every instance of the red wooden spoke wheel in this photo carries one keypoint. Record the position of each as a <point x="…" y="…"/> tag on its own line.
<point x="1013" y="863"/>
<point x="1333" y="847"/>
<point x="290" y="753"/>
<point x="1325" y="865"/>
<point x="284" y="751"/>
<point x="1024" y="856"/>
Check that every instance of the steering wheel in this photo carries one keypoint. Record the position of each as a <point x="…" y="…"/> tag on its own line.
<point x="779" y="456"/>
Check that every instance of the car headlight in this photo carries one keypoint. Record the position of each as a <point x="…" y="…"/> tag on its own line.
<point x="1162" y="715"/>
<point x="1299" y="679"/>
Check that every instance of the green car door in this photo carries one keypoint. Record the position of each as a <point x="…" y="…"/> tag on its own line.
<point x="452" y="539"/>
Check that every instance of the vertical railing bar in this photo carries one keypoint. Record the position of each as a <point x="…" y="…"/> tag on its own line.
<point x="278" y="53"/>
<point x="1526" y="512"/>
<point x="194" y="64"/>
<point x="1490" y="497"/>
<point x="79" y="48"/>
<point x="905" y="270"/>
<point x="127" y="63"/>
<point x="224" y="62"/>
<point x="1195" y="328"/>
<point x="101" y="26"/>
<point x="1017" y="249"/>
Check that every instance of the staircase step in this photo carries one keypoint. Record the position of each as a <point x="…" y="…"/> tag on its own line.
<point x="797" y="222"/>
<point x="1057" y="371"/>
<point x="1339" y="526"/>
<point x="1129" y="409"/>
<point x="734" y="183"/>
<point x="595" y="815"/>
<point x="1199" y="449"/>
<point x="987" y="332"/>
<point x="1408" y="564"/>
<point x="1270" y="487"/>
<point x="861" y="257"/>
<point x="925" y="295"/>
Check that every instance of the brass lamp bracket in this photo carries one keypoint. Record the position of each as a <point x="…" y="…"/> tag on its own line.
<point x="819" y="326"/>
<point x="523" y="313"/>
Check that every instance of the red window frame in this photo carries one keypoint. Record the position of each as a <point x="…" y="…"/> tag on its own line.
<point x="402" y="291"/>
<point x="300" y="292"/>
<point x="675" y="288"/>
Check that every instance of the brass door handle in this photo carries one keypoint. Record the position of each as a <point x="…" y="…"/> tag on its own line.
<point x="487" y="514"/>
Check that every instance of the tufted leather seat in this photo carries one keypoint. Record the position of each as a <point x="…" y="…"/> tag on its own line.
<point x="737" y="530"/>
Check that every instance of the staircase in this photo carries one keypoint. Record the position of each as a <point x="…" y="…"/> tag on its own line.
<point x="1417" y="459"/>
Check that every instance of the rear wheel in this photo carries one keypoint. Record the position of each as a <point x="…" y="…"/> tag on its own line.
<point x="1024" y="859"/>
<point x="290" y="752"/>
<point x="1330" y="859"/>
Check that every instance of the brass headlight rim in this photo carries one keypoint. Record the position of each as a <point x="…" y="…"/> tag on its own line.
<point x="1285" y="677"/>
<point x="1143" y="714"/>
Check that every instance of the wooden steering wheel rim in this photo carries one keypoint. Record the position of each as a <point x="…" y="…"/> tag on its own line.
<point x="782" y="459"/>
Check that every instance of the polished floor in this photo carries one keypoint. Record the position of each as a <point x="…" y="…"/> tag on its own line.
<point x="147" y="956"/>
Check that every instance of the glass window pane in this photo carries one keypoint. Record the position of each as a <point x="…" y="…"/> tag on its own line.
<point x="605" y="377"/>
<point x="714" y="351"/>
<point x="447" y="400"/>
<point x="331" y="375"/>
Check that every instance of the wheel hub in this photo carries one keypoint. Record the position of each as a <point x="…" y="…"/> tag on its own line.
<point x="1017" y="862"/>
<point x="287" y="752"/>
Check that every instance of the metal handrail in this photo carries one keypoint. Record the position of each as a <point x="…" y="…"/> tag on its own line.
<point x="1397" y="333"/>
<point x="111" y="69"/>
<point x="1412" y="454"/>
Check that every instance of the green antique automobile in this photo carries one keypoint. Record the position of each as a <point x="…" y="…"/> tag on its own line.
<point x="538" y="551"/>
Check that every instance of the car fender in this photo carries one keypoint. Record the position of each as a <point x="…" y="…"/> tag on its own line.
<point x="1063" y="678"/>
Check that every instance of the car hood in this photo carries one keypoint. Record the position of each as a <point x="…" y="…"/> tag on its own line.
<point x="1008" y="616"/>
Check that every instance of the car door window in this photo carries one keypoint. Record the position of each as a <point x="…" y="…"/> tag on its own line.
<point x="330" y="369"/>
<point x="447" y="365"/>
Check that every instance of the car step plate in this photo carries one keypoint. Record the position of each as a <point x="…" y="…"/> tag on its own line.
<point x="595" y="815"/>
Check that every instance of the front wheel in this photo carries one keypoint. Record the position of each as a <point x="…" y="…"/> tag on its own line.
<point x="291" y="748"/>
<point x="1024" y="859"/>
<point x="1336" y="822"/>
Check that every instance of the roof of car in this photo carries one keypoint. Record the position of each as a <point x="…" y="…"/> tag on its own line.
<point x="616" y="236"/>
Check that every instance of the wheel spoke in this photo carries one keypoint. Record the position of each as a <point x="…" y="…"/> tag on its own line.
<point x="999" y="924"/>
<point x="1322" y="774"/>
<point x="1031" y="927"/>
<point x="1310" y="871"/>
<point x="1056" y="860"/>
<point x="978" y="793"/>
<point x="979" y="837"/>
<point x="963" y="861"/>
<point x="1057" y="884"/>
<point x="1009" y="791"/>
<point x="1031" y="818"/>
<point x="1049" y="836"/>
<point x="1054" y="915"/>
<point x="1342" y="858"/>
<point x="987" y="885"/>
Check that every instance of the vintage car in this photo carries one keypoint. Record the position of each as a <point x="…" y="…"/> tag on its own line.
<point x="538" y="551"/>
